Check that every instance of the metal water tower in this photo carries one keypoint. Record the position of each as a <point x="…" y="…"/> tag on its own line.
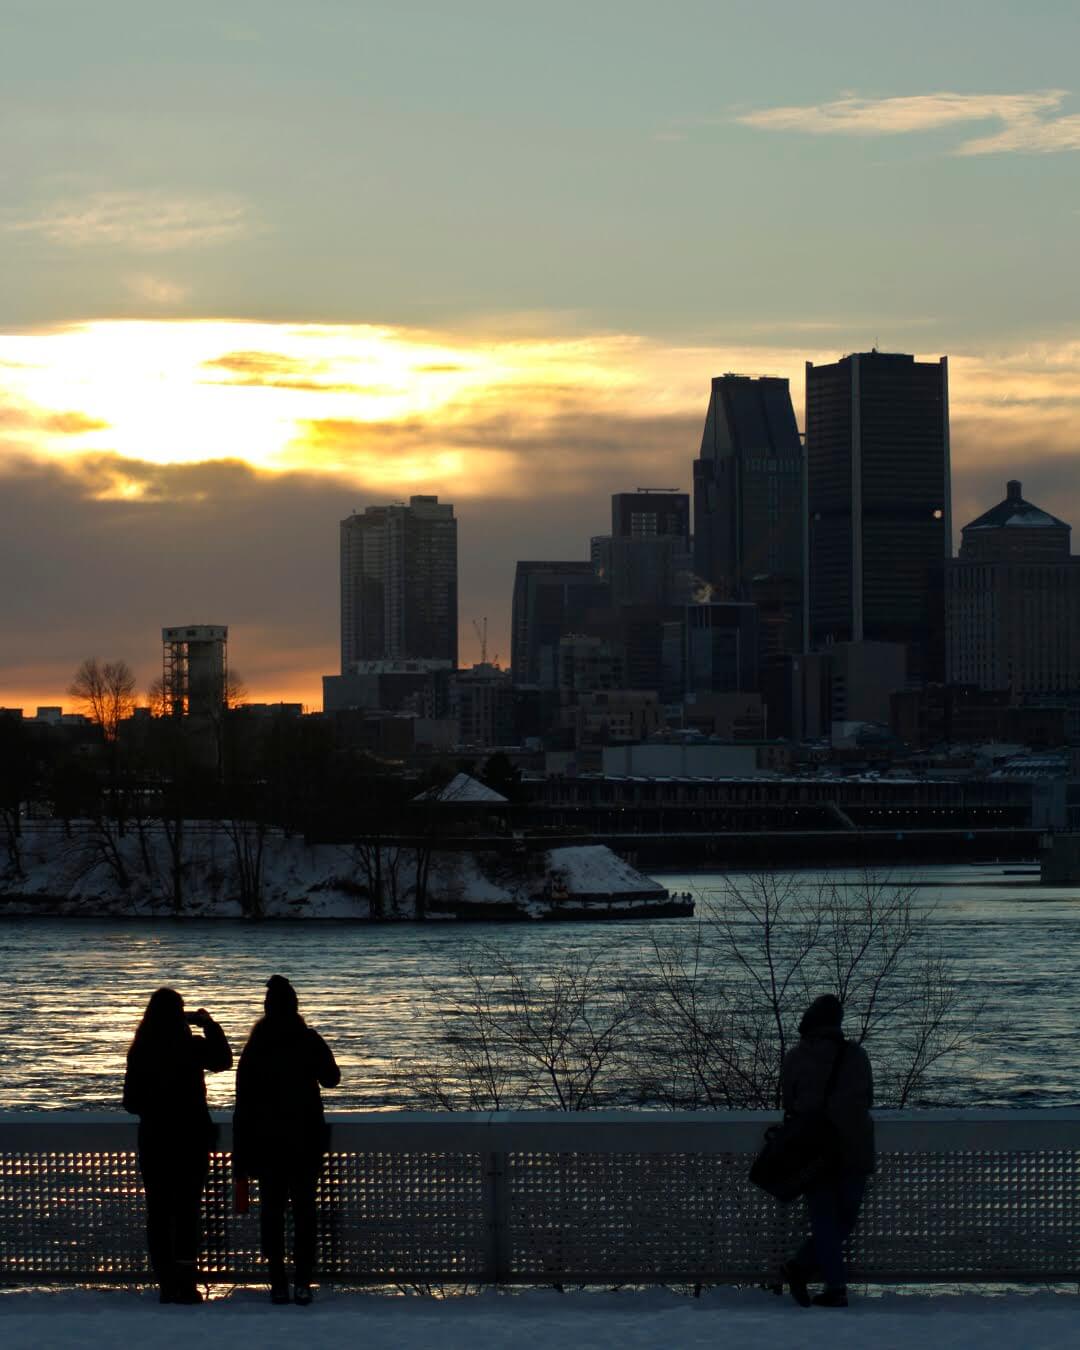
<point x="195" y="669"/>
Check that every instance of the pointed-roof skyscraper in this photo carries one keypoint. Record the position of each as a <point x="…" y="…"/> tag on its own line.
<point x="748" y="495"/>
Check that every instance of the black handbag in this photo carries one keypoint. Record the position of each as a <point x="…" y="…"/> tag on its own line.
<point x="801" y="1151"/>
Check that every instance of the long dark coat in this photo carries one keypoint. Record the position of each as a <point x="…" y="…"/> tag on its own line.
<point x="805" y="1075"/>
<point x="164" y="1084"/>
<point x="279" y="1118"/>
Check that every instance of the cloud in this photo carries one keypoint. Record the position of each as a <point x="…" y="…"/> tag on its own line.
<point x="1027" y="125"/>
<point x="266" y="565"/>
<point x="272" y="370"/>
<point x="261" y="365"/>
<point x="1030" y="136"/>
<point x="145" y="222"/>
<point x="20" y="418"/>
<point x="571" y="452"/>
<point x="157" y="290"/>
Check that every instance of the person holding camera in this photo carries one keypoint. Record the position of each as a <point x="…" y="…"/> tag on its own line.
<point x="279" y="1131"/>
<point x="164" y="1086"/>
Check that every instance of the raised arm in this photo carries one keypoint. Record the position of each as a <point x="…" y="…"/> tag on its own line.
<point x="326" y="1069"/>
<point x="213" y="1046"/>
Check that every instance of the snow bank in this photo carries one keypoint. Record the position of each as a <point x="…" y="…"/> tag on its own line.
<point x="91" y="869"/>
<point x="543" y="1320"/>
<point x="592" y="869"/>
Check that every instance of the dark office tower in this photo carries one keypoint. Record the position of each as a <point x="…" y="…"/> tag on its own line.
<point x="749" y="508"/>
<point x="399" y="584"/>
<point x="748" y="488"/>
<point x="552" y="600"/>
<point x="877" y="455"/>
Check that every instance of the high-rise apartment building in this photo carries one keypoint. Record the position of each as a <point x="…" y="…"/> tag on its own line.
<point x="399" y="584"/>
<point x="748" y="486"/>
<point x="879" y="529"/>
<point x="1012" y="602"/>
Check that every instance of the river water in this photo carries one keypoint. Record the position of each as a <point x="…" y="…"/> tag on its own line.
<point x="71" y="991"/>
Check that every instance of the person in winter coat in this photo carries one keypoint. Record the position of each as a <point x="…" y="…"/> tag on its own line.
<point x="164" y="1086"/>
<point x="822" y="1054"/>
<point x="279" y="1132"/>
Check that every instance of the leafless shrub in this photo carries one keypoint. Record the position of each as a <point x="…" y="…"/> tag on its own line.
<point x="511" y="1039"/>
<point x="726" y="998"/>
<point x="708" y="1020"/>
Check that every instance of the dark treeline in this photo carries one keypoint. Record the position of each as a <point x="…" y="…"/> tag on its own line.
<point x="295" y="772"/>
<point x="155" y="776"/>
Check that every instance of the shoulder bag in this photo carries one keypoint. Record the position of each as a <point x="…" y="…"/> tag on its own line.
<point x="803" y="1150"/>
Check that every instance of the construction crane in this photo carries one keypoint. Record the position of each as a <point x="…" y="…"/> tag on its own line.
<point x="481" y="637"/>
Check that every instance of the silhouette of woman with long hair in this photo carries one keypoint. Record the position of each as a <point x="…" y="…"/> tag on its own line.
<point x="164" y="1086"/>
<point x="280" y="1133"/>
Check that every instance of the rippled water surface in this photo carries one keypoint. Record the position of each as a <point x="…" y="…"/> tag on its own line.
<point x="71" y="991"/>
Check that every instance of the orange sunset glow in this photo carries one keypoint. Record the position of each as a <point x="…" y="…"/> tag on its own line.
<point x="153" y="414"/>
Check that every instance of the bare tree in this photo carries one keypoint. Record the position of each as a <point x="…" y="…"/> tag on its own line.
<point x="511" y="1039"/>
<point x="106" y="692"/>
<point x="236" y="690"/>
<point x="724" y="1002"/>
<point x="248" y="839"/>
<point x="381" y="862"/>
<point x="706" y="1022"/>
<point x="155" y="698"/>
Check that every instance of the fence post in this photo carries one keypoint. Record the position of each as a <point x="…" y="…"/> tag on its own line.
<point x="497" y="1215"/>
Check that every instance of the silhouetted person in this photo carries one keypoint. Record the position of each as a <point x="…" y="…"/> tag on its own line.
<point x="279" y="1132"/>
<point x="823" y="1055"/>
<point x="164" y="1086"/>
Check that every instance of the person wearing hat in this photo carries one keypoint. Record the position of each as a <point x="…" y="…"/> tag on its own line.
<point x="280" y="1133"/>
<point x="824" y="1073"/>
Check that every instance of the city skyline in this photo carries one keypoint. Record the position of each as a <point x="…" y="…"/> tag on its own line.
<point x="263" y="270"/>
<point x="124" y="485"/>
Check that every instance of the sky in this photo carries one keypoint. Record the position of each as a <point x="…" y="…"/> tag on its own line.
<point x="262" y="264"/>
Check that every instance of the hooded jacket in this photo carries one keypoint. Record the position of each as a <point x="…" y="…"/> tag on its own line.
<point x="279" y="1111"/>
<point x="805" y="1076"/>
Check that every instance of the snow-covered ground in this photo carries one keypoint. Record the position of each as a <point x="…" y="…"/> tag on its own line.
<point x="91" y="869"/>
<point x="544" y="1320"/>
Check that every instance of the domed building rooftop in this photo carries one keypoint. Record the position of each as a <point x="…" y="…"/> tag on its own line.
<point x="1015" y="512"/>
<point x="1017" y="530"/>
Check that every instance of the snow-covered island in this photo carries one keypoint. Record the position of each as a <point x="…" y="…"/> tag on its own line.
<point x="226" y="869"/>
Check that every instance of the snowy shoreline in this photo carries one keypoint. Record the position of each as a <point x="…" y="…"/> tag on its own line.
<point x="235" y="870"/>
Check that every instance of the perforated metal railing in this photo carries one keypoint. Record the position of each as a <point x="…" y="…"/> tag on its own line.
<point x="534" y="1197"/>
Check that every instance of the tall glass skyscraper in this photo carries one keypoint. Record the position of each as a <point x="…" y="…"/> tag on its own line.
<point x="748" y="497"/>
<point x="879" y="512"/>
<point x="399" y="583"/>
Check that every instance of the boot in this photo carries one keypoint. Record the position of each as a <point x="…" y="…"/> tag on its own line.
<point x="794" y="1277"/>
<point x="279" y="1285"/>
<point x="831" y="1298"/>
<point x="184" y="1290"/>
